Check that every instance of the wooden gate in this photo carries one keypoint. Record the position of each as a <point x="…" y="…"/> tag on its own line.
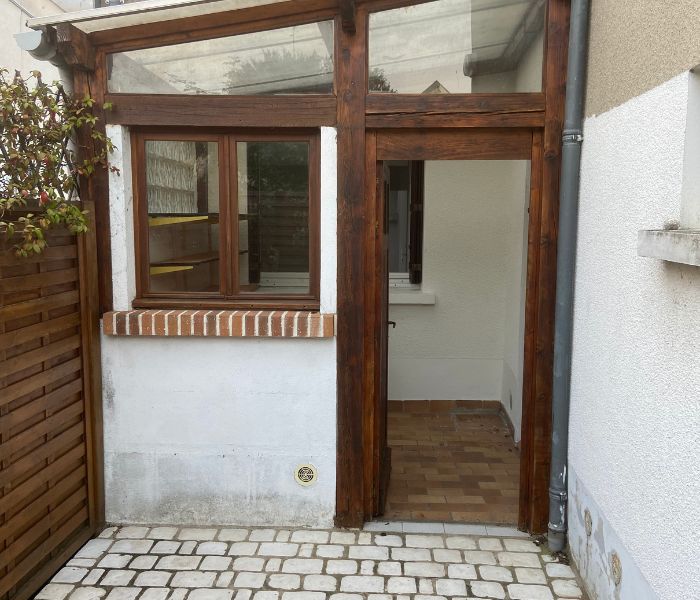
<point x="51" y="498"/>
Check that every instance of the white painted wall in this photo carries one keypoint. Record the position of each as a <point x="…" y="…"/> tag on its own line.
<point x="210" y="430"/>
<point x="472" y="260"/>
<point x="635" y="418"/>
<point x="515" y="273"/>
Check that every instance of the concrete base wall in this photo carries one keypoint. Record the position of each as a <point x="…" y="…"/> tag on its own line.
<point x="597" y="551"/>
<point x="209" y="431"/>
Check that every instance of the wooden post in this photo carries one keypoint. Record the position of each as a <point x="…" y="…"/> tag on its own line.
<point x="351" y="85"/>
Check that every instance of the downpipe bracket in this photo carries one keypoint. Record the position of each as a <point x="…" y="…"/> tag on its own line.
<point x="572" y="137"/>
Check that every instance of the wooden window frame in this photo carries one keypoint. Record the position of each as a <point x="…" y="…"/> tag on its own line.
<point x="413" y="277"/>
<point x="229" y="296"/>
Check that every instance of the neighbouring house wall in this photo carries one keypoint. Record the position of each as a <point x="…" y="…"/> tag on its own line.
<point x="635" y="419"/>
<point x="636" y="45"/>
<point x="454" y="349"/>
<point x="14" y="21"/>
<point x="210" y="430"/>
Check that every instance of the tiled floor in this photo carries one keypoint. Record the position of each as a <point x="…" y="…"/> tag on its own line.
<point x="451" y="462"/>
<point x="392" y="561"/>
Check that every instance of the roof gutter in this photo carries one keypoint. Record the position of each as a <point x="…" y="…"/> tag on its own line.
<point x="41" y="45"/>
<point x="566" y="264"/>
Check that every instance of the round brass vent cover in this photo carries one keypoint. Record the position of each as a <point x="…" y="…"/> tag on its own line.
<point x="306" y="475"/>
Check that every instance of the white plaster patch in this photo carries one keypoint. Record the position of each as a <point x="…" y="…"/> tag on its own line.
<point x="121" y="216"/>
<point x="329" y="219"/>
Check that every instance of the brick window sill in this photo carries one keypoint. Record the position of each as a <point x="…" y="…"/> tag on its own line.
<point x="219" y="323"/>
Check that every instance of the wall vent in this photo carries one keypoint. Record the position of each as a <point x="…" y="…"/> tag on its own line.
<point x="306" y="475"/>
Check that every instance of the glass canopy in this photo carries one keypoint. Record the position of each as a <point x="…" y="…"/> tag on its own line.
<point x="142" y="12"/>
<point x="457" y="46"/>
<point x="291" y="60"/>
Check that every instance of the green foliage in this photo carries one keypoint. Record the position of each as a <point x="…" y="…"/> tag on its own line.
<point x="39" y="169"/>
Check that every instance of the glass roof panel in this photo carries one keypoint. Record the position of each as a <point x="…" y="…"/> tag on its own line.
<point x="145" y="11"/>
<point x="443" y="46"/>
<point x="291" y="60"/>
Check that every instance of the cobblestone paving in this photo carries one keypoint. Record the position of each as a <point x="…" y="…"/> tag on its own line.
<point x="394" y="561"/>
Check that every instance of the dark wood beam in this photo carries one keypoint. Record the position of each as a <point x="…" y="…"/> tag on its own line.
<point x="222" y="111"/>
<point x="94" y="191"/>
<point x="75" y="47"/>
<point x="351" y="83"/>
<point x="453" y="144"/>
<point x="456" y="110"/>
<point x="537" y="410"/>
<point x="347" y="16"/>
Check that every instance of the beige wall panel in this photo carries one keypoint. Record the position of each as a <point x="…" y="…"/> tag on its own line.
<point x="636" y="45"/>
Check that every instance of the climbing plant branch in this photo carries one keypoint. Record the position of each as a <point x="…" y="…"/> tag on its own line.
<point x="40" y="172"/>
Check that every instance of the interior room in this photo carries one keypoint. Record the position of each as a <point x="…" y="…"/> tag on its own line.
<point x="457" y="262"/>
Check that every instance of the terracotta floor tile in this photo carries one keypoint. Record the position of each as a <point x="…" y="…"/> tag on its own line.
<point x="451" y="464"/>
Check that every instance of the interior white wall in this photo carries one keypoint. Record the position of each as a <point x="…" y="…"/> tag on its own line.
<point x="209" y="430"/>
<point x="635" y="424"/>
<point x="472" y="263"/>
<point x="515" y="288"/>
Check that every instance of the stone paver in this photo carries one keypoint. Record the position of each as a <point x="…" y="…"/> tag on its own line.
<point x="385" y="561"/>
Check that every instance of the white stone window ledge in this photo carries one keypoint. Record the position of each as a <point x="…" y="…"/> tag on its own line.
<point x="411" y="297"/>
<point x="674" y="245"/>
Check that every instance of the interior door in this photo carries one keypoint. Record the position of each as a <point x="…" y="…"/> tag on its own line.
<point x="383" y="451"/>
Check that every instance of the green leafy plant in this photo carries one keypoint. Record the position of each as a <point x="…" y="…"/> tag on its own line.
<point x="40" y="172"/>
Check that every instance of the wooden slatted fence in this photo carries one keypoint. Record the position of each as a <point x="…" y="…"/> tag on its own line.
<point x="50" y="417"/>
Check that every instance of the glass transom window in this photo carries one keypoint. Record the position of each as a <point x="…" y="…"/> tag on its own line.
<point x="291" y="60"/>
<point x="458" y="47"/>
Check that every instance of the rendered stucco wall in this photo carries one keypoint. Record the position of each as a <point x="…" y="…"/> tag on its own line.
<point x="209" y="430"/>
<point x="472" y="257"/>
<point x="636" y="45"/>
<point x="635" y="423"/>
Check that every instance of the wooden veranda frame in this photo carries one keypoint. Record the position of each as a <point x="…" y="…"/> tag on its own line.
<point x="352" y="111"/>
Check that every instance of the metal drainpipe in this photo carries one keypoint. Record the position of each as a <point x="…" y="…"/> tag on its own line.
<point x="566" y="262"/>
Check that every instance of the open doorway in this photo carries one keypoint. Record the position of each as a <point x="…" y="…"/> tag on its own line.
<point x="453" y="388"/>
<point x="457" y="246"/>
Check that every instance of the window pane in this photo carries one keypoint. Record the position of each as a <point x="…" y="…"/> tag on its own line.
<point x="273" y="205"/>
<point x="182" y="185"/>
<point x="399" y="215"/>
<point x="457" y="46"/>
<point x="293" y="60"/>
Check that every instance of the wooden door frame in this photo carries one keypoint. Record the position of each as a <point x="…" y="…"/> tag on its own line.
<point x="543" y="114"/>
<point x="458" y="144"/>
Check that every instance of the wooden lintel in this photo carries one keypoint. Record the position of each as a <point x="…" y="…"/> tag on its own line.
<point x="347" y="16"/>
<point x="75" y="47"/>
